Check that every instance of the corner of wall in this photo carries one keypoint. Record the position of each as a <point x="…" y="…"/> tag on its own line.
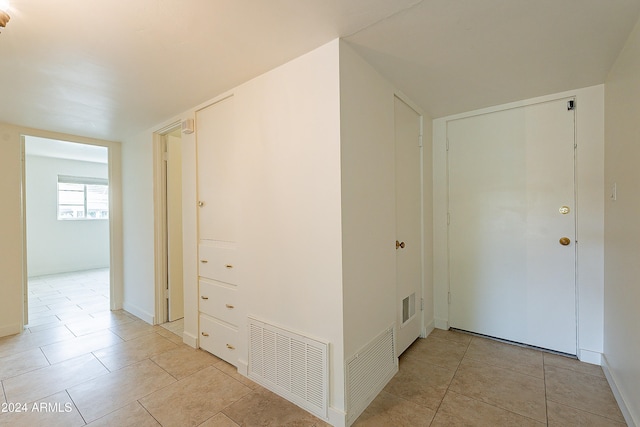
<point x="613" y="383"/>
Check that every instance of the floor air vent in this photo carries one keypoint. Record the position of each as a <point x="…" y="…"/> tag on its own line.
<point x="368" y="371"/>
<point x="291" y="365"/>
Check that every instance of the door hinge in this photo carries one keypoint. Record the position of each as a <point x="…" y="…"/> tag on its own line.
<point x="166" y="293"/>
<point x="449" y="297"/>
<point x="571" y="104"/>
<point x="448" y="218"/>
<point x="420" y="141"/>
<point x="165" y="156"/>
<point x="447" y="144"/>
<point x="421" y="304"/>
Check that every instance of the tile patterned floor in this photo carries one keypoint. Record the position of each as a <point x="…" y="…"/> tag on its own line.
<point x="80" y="364"/>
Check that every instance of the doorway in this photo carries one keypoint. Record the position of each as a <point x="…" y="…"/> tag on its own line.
<point x="512" y="225"/>
<point x="66" y="207"/>
<point x="169" y="262"/>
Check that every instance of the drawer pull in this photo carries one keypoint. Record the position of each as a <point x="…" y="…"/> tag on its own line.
<point x="230" y="347"/>
<point x="229" y="306"/>
<point x="228" y="266"/>
<point x="203" y="297"/>
<point x="204" y="261"/>
<point x="204" y="334"/>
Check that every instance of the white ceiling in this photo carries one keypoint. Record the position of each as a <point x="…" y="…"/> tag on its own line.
<point x="105" y="68"/>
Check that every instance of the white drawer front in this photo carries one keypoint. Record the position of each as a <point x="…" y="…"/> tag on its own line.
<point x="219" y="339"/>
<point x="218" y="263"/>
<point x="219" y="301"/>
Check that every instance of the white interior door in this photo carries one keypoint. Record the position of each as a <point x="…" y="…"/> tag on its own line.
<point x="174" y="228"/>
<point x="511" y="201"/>
<point x="408" y="224"/>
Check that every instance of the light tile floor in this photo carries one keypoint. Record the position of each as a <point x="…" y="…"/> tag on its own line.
<point x="100" y="368"/>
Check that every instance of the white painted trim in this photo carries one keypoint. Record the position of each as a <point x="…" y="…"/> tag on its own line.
<point x="616" y="393"/>
<point x="428" y="329"/>
<point x="589" y="356"/>
<point x="116" y="257"/>
<point x="13" y="329"/>
<point x="116" y="251"/>
<point x="160" y="220"/>
<point x="588" y="129"/>
<point x="138" y="312"/>
<point x="23" y="223"/>
<point x="441" y="324"/>
<point x="337" y="417"/>
<point x="159" y="230"/>
<point x="243" y="368"/>
<point x="190" y="339"/>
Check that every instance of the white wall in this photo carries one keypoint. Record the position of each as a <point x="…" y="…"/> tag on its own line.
<point x="11" y="225"/>
<point x="288" y="133"/>
<point x="368" y="201"/>
<point x="55" y="246"/>
<point x="622" y="228"/>
<point x="138" y="226"/>
<point x="11" y="231"/>
<point x="590" y="216"/>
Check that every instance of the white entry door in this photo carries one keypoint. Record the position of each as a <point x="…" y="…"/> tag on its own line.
<point x="512" y="253"/>
<point x="408" y="225"/>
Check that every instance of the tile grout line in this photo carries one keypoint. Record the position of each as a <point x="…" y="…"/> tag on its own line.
<point x="76" y="406"/>
<point x="546" y="399"/>
<point x="143" y="407"/>
<point x="491" y="404"/>
<point x="452" y="377"/>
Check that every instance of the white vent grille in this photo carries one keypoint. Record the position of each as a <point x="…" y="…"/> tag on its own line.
<point x="408" y="308"/>
<point x="368" y="371"/>
<point x="291" y="365"/>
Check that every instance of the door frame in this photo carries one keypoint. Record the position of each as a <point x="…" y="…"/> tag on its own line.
<point x="574" y="248"/>
<point x="161" y="248"/>
<point x="114" y="150"/>
<point x="591" y="190"/>
<point x="423" y="328"/>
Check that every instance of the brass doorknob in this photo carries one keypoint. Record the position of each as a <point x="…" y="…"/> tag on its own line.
<point x="564" y="241"/>
<point x="399" y="244"/>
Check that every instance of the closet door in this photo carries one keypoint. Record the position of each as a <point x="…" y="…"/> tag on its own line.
<point x="216" y="175"/>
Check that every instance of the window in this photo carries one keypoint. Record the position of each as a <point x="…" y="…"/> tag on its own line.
<point x="82" y="198"/>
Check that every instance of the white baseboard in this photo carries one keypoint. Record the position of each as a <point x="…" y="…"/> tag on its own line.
<point x="428" y="328"/>
<point x="616" y="393"/>
<point x="337" y="418"/>
<point x="243" y="368"/>
<point x="12" y="329"/>
<point x="589" y="356"/>
<point x="190" y="339"/>
<point x="441" y="324"/>
<point x="139" y="313"/>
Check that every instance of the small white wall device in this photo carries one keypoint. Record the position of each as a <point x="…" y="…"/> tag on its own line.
<point x="187" y="126"/>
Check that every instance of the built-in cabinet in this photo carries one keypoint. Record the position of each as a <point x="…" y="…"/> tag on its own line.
<point x="218" y="304"/>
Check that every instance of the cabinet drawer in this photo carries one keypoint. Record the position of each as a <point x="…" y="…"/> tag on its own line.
<point x="219" y="301"/>
<point x="218" y="263"/>
<point x="218" y="339"/>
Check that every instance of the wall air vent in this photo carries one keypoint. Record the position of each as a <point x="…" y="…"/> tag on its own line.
<point x="291" y="365"/>
<point x="368" y="371"/>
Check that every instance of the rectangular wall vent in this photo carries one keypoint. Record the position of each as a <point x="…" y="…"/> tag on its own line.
<point x="408" y="308"/>
<point x="291" y="365"/>
<point x="368" y="371"/>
